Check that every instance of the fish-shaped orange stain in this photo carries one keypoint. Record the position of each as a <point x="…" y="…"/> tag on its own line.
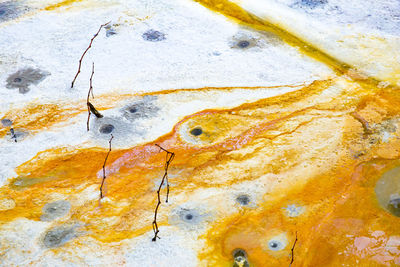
<point x="306" y="151"/>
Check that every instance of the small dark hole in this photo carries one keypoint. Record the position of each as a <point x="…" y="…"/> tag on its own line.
<point x="132" y="109"/>
<point x="243" y="200"/>
<point x="106" y="128"/>
<point x="273" y="244"/>
<point x="17" y="80"/>
<point x="196" y="131"/>
<point x="243" y="44"/>
<point x="189" y="216"/>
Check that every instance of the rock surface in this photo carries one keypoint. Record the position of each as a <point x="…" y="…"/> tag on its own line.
<point x="283" y="117"/>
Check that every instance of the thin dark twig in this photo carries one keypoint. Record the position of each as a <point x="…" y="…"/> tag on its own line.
<point x="169" y="158"/>
<point x="91" y="84"/>
<point x="166" y="176"/>
<point x="91" y="108"/>
<point x="13" y="134"/>
<point x="294" y="244"/>
<point x="88" y="95"/>
<point x="90" y="45"/>
<point x="104" y="168"/>
<point x="95" y="111"/>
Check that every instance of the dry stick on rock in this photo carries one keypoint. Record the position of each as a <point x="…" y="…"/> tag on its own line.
<point x="94" y="111"/>
<point x="294" y="244"/>
<point x="90" y="45"/>
<point x="104" y="168"/>
<point x="91" y="108"/>
<point x="13" y="134"/>
<point x="88" y="95"/>
<point x="91" y="84"/>
<point x="169" y="157"/>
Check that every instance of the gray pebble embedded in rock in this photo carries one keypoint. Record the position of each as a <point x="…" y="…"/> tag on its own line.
<point x="59" y="235"/>
<point x="55" y="210"/>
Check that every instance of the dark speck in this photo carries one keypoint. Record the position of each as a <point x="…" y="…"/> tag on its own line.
<point x="153" y="36"/>
<point x="189" y="216"/>
<point x="243" y="44"/>
<point x="140" y="109"/>
<point x="106" y="128"/>
<point x="196" y="131"/>
<point x="243" y="200"/>
<point x="275" y="245"/>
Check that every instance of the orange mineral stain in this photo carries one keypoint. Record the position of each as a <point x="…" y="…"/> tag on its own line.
<point x="309" y="177"/>
<point x="316" y="181"/>
<point x="34" y="116"/>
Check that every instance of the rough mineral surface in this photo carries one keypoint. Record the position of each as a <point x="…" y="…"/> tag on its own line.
<point x="283" y="116"/>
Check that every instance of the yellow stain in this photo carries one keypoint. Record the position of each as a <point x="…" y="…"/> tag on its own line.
<point x="62" y="4"/>
<point x="330" y="171"/>
<point x="318" y="154"/>
<point x="241" y="16"/>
